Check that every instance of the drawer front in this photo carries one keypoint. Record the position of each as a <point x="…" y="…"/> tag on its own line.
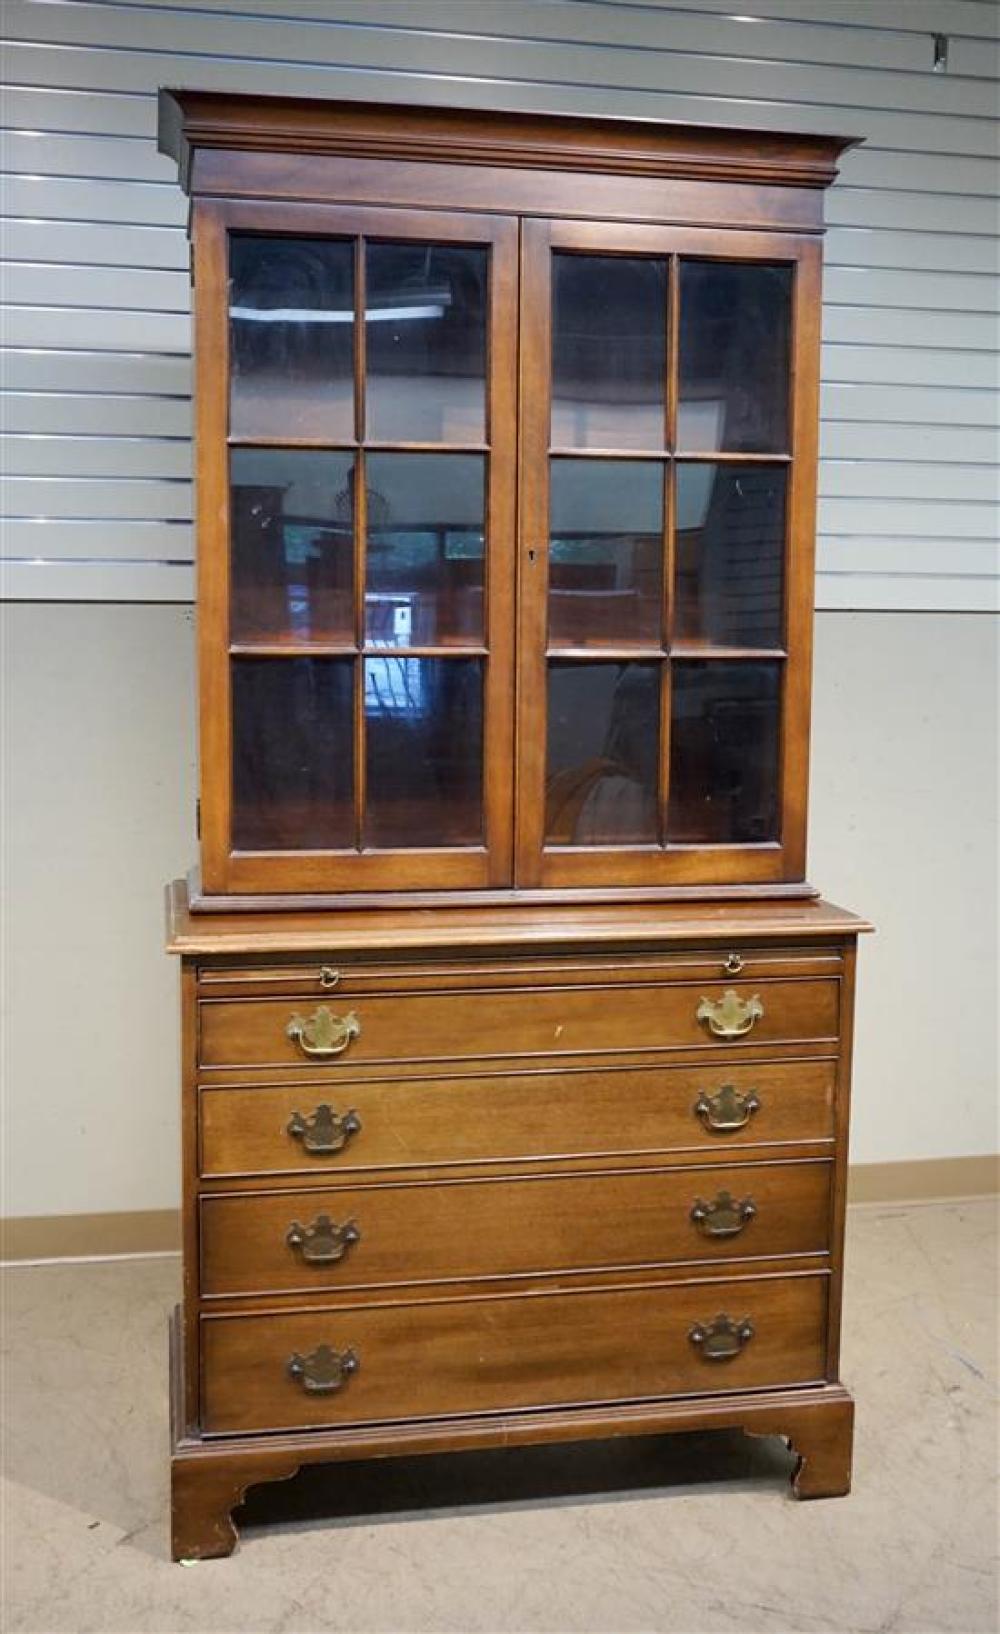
<point x="489" y="1355"/>
<point x="419" y="1123"/>
<point x="448" y="1026"/>
<point x="380" y="1235"/>
<point x="351" y="979"/>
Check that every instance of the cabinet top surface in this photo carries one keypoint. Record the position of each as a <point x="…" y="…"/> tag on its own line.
<point x="200" y="119"/>
<point x="514" y="927"/>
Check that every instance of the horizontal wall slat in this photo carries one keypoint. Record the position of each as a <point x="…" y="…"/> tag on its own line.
<point x="54" y="539"/>
<point x="143" y="373"/>
<point x="26" y="283"/>
<point x="973" y="17"/>
<point x="113" y="244"/>
<point x="99" y="331"/>
<point x="680" y="29"/>
<point x="493" y="83"/>
<point x="93" y="456"/>
<point x="98" y="498"/>
<point x="152" y="32"/>
<point x="911" y="405"/>
<point x="913" y="211"/>
<point x="906" y="366"/>
<point x="905" y="593"/>
<point x="96" y="581"/>
<point x="959" y="445"/>
<point x="915" y="326"/>
<point x="935" y="520"/>
<point x="889" y="479"/>
<point x="103" y="415"/>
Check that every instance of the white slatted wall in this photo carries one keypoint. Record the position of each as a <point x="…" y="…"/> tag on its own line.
<point x="96" y="336"/>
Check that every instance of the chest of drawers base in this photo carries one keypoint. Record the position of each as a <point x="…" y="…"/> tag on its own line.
<point x="521" y="1178"/>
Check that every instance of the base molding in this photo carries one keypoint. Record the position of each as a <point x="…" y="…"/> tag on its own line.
<point x="210" y="1477"/>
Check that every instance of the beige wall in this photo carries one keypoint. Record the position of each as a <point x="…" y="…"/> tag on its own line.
<point x="99" y="798"/>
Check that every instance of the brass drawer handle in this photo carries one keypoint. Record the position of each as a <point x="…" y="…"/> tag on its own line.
<point x="724" y="1217"/>
<point x="324" y="1370"/>
<point x="326" y="1131"/>
<point x="726" y="1110"/>
<point x="730" y="1016"/>
<point x="323" y="1034"/>
<point x="721" y="1338"/>
<point x="322" y="1243"/>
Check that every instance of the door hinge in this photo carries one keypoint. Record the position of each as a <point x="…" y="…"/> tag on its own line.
<point x="197" y="819"/>
<point x="191" y="262"/>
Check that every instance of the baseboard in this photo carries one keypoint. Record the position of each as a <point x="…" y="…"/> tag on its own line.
<point x="90" y="1236"/>
<point x="158" y="1231"/>
<point x="925" y="1180"/>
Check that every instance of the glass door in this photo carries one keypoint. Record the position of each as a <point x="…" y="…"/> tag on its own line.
<point x="666" y="555"/>
<point x="356" y="517"/>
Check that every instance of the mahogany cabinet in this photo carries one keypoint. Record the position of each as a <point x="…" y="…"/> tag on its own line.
<point x="516" y="1045"/>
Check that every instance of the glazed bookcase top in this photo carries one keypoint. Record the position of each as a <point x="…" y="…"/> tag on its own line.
<point x="506" y="473"/>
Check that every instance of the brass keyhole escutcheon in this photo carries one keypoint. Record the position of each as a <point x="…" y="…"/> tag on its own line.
<point x="733" y="964"/>
<point x="328" y="977"/>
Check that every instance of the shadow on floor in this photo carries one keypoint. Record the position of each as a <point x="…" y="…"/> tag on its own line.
<point x="515" y="1477"/>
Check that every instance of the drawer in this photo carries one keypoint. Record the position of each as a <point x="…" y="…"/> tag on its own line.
<point x="415" y="1123"/>
<point x="351" y="978"/>
<point x="279" y="1372"/>
<point x="514" y="1022"/>
<point x="371" y="1236"/>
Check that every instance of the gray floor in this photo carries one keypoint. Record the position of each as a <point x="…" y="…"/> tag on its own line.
<point x="693" y="1535"/>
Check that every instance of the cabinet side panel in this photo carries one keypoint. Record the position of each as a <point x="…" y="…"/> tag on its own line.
<point x="189" y="1185"/>
<point x="842" y="1118"/>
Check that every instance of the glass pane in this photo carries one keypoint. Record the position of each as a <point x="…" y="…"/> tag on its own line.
<point x="609" y="318"/>
<point x="292" y="562"/>
<point x="291" y="337"/>
<point x="293" y="781"/>
<point x="603" y="752"/>
<point x="730" y="555"/>
<point x="425" y="751"/>
<point x="425" y="336"/>
<point x="724" y="752"/>
<point x="606" y="553"/>
<point x="734" y="357"/>
<point x="424" y="567"/>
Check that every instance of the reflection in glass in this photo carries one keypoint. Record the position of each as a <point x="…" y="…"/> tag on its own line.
<point x="292" y="545"/>
<point x="603" y="751"/>
<point x="734" y="357"/>
<point x="609" y="316"/>
<point x="424" y="727"/>
<point x="424" y="564"/>
<point x="291" y="337"/>
<point x="605" y="553"/>
<point x="293" y="777"/>
<point x="724" y="752"/>
<point x="425" y="339"/>
<point x="730" y="555"/>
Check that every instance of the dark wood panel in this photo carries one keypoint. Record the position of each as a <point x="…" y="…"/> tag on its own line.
<point x="514" y="1226"/>
<point x="489" y="1355"/>
<point x="428" y="1122"/>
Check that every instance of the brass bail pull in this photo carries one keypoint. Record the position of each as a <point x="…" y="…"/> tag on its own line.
<point x="730" y="1016"/>
<point x="326" y="1131"/>
<point x="323" y="1242"/>
<point x="324" y="1370"/>
<point x="723" y="1217"/>
<point x="727" y="1110"/>
<point x="323" y="1034"/>
<point x="721" y="1338"/>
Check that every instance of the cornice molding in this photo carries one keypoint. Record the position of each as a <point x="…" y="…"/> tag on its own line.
<point x="193" y="120"/>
